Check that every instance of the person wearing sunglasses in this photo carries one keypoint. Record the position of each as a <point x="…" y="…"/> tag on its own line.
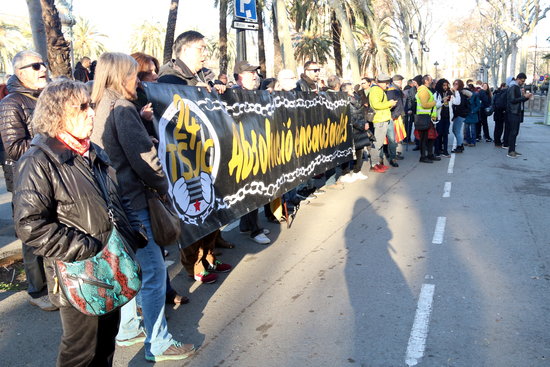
<point x="16" y="109"/>
<point x="309" y="80"/>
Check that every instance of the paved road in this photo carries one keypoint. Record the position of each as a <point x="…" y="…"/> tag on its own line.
<point x="358" y="280"/>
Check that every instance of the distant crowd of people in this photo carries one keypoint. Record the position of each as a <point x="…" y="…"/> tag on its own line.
<point x="64" y="139"/>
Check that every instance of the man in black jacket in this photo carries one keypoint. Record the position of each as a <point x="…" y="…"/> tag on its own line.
<point x="514" y="111"/>
<point x="188" y="69"/>
<point x="81" y="70"/>
<point x="24" y="87"/>
<point x="309" y="80"/>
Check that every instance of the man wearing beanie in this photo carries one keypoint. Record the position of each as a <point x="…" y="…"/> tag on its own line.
<point x="379" y="102"/>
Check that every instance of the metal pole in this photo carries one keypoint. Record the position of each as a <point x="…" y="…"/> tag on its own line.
<point x="241" y="44"/>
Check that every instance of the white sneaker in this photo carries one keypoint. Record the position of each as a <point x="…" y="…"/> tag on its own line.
<point x="44" y="303"/>
<point x="349" y="178"/>
<point x="266" y="231"/>
<point x="360" y="176"/>
<point x="261" y="239"/>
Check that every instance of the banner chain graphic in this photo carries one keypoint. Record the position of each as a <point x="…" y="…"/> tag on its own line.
<point x="240" y="108"/>
<point x="259" y="188"/>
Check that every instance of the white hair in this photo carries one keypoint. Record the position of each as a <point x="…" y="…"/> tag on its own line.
<point x="22" y="55"/>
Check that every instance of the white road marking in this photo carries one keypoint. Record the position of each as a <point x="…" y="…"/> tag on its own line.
<point x="451" y="163"/>
<point x="439" y="230"/>
<point x="447" y="190"/>
<point x="419" y="332"/>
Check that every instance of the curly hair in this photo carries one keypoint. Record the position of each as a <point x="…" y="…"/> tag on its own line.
<point x="60" y="100"/>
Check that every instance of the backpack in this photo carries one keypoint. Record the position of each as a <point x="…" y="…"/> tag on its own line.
<point x="499" y="100"/>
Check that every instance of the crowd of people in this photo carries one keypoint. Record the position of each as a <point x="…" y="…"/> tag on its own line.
<point x="64" y="139"/>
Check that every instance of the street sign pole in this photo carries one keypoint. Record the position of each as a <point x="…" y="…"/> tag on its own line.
<point x="241" y="44"/>
<point x="245" y="18"/>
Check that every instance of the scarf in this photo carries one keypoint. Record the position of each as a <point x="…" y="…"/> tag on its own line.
<point x="80" y="146"/>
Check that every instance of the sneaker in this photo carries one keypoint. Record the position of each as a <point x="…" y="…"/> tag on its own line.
<point x="394" y="163"/>
<point x="377" y="169"/>
<point x="504" y="147"/>
<point x="44" y="303"/>
<point x="219" y="267"/>
<point x="518" y="153"/>
<point x="425" y="160"/>
<point x="261" y="239"/>
<point x="512" y="155"/>
<point x="266" y="231"/>
<point x="318" y="192"/>
<point x="206" y="277"/>
<point x="478" y="139"/>
<point x="349" y="178"/>
<point x="140" y="338"/>
<point x="446" y="154"/>
<point x="360" y="176"/>
<point x="175" y="352"/>
<point x="489" y="140"/>
<point x="381" y="165"/>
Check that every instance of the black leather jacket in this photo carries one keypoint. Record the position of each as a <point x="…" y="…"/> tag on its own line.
<point x="59" y="208"/>
<point x="514" y="101"/>
<point x="15" y="114"/>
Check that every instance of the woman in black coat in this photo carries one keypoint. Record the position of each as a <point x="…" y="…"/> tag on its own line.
<point x="59" y="209"/>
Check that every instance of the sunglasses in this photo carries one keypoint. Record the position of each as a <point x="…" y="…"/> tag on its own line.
<point x="314" y="70"/>
<point x="35" y="66"/>
<point x="84" y="106"/>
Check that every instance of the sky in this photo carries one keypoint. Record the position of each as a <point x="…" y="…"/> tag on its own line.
<point x="117" y="19"/>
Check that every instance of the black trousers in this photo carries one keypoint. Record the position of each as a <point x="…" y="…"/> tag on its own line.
<point x="482" y="124"/>
<point x="500" y="118"/>
<point x="87" y="340"/>
<point x="512" y="125"/>
<point x="426" y="145"/>
<point x="442" y="141"/>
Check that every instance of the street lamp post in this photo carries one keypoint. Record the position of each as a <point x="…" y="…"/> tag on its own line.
<point x="436" y="64"/>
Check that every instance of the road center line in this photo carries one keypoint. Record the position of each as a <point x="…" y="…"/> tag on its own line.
<point x="451" y="163"/>
<point x="419" y="332"/>
<point x="447" y="190"/>
<point x="439" y="230"/>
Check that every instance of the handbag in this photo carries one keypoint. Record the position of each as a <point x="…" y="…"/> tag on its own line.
<point x="422" y="122"/>
<point x="489" y="110"/>
<point x="165" y="222"/>
<point x="104" y="282"/>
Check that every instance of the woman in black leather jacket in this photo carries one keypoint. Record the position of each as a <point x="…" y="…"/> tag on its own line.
<point x="59" y="209"/>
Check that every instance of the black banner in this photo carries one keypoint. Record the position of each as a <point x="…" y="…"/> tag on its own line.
<point x="225" y="157"/>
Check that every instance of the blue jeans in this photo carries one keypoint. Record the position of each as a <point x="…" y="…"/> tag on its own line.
<point x="392" y="145"/>
<point x="151" y="297"/>
<point x="471" y="133"/>
<point x="457" y="130"/>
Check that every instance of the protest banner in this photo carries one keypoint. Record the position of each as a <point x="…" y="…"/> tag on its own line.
<point x="226" y="156"/>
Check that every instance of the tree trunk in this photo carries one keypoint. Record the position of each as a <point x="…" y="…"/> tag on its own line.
<point x="504" y="67"/>
<point x="222" y="42"/>
<point x="283" y="30"/>
<point x="170" y="31"/>
<point x="514" y="54"/>
<point x="261" y="43"/>
<point x="336" y="45"/>
<point x="523" y="57"/>
<point x="278" y="58"/>
<point x="347" y="34"/>
<point x="59" y="50"/>
<point x="37" y="28"/>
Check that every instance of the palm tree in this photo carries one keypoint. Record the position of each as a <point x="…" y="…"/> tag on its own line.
<point x="378" y="49"/>
<point x="311" y="46"/>
<point x="170" y="30"/>
<point x="214" y="51"/>
<point x="261" y="43"/>
<point x="59" y="50"/>
<point x="148" y="38"/>
<point x="223" y="15"/>
<point x="37" y="27"/>
<point x="283" y="32"/>
<point x="13" y="38"/>
<point x="87" y="41"/>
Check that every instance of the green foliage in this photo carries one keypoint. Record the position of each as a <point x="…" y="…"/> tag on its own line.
<point x="14" y="37"/>
<point x="86" y="40"/>
<point x="149" y="38"/>
<point x="310" y="46"/>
